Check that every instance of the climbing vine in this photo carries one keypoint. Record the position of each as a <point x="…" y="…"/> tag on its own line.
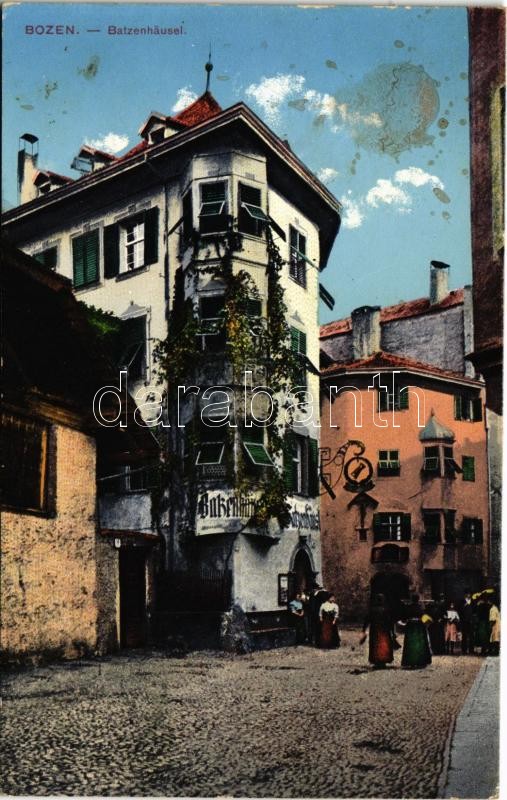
<point x="250" y="341"/>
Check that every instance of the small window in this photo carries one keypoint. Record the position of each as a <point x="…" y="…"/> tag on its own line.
<point x="297" y="256"/>
<point x="393" y="401"/>
<point x="388" y="463"/>
<point x="450" y="526"/>
<point x="468" y="464"/>
<point x="451" y="467"/>
<point x="48" y="257"/>
<point x="85" y="259"/>
<point x="467" y="408"/>
<point x="471" y="531"/>
<point x="431" y="463"/>
<point x="212" y="332"/>
<point x="391" y="527"/>
<point x="133" y="356"/>
<point x="24" y="473"/>
<point x="253" y="443"/>
<point x="131" y="244"/>
<point x="251" y="217"/>
<point x="431" y="521"/>
<point x="301" y="465"/>
<point x="213" y="208"/>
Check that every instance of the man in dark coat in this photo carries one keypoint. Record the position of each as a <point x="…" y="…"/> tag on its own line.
<point x="319" y="596"/>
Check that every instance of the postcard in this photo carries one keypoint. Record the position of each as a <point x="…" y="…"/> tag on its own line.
<point x="252" y="414"/>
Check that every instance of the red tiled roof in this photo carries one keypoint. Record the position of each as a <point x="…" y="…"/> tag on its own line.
<point x="86" y="148"/>
<point x="412" y="308"/>
<point x="383" y="360"/>
<point x="202" y="109"/>
<point x="54" y="175"/>
<point x="135" y="150"/>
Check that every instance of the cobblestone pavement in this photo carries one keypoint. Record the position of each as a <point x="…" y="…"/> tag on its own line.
<point x="295" y="722"/>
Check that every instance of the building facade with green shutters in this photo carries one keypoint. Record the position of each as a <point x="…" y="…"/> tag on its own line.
<point x="206" y="242"/>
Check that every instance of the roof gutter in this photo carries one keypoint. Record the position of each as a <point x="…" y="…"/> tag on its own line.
<point x="462" y="381"/>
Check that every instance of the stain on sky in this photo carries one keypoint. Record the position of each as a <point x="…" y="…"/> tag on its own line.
<point x="89" y="72"/>
<point x="331" y="64"/>
<point x="441" y="195"/>
<point x="223" y="78"/>
<point x="27" y="107"/>
<point x="399" y="43"/>
<point x="49" y="88"/>
<point x="391" y="109"/>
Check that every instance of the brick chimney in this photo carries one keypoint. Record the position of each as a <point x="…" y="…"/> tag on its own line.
<point x="439" y="281"/>
<point x="28" y="155"/>
<point x="365" y="331"/>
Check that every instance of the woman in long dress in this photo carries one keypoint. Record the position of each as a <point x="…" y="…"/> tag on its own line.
<point x="328" y="617"/>
<point x="380" y="624"/>
<point x="494" y="621"/>
<point x="451" y="628"/>
<point x="416" y="649"/>
<point x="483" y="631"/>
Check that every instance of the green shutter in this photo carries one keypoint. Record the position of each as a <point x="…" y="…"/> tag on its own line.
<point x="403" y="399"/>
<point x="151" y="236"/>
<point x="302" y="342"/>
<point x="477" y="409"/>
<point x="313" y="467"/>
<point x="405" y="527"/>
<point x="78" y="261"/>
<point x="468" y="463"/>
<point x="376" y="522"/>
<point x="289" y="467"/>
<point x="111" y="250"/>
<point x="458" y="406"/>
<point x="294" y="340"/>
<point x="91" y="256"/>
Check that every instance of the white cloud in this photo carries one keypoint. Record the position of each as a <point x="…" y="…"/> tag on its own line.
<point x="270" y="93"/>
<point x="327" y="174"/>
<point x="353" y="216"/>
<point x="185" y="97"/>
<point x="417" y="177"/>
<point x="385" y="191"/>
<point x="110" y="143"/>
<point x="355" y="118"/>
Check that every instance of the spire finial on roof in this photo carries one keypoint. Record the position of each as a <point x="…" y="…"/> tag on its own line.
<point x="208" y="67"/>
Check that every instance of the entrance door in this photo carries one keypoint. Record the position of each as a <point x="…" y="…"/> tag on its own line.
<point x="132" y="597"/>
<point x="303" y="574"/>
<point x="394" y="587"/>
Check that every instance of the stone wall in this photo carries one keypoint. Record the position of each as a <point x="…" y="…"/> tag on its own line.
<point x="49" y="603"/>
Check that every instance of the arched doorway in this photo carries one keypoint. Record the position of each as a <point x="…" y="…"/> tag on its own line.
<point x="303" y="573"/>
<point x="395" y="588"/>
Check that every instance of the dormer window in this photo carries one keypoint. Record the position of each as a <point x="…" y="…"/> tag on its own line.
<point x="213" y="207"/>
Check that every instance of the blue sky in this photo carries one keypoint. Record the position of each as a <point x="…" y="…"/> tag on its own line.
<point x="373" y="100"/>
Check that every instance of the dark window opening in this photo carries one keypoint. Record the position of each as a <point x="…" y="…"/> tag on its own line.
<point x="48" y="257"/>
<point x="388" y="463"/>
<point x="188" y="220"/>
<point x="431" y="463"/>
<point x="471" y="531"/>
<point x="213" y="333"/>
<point x="468" y="465"/>
<point x="467" y="408"/>
<point x="393" y="401"/>
<point x="133" y="356"/>
<point x="431" y="522"/>
<point x="391" y="527"/>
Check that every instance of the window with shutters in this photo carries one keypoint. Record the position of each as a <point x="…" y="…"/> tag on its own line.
<point x="471" y="531"/>
<point x="391" y="527"/>
<point x="439" y="461"/>
<point x="298" y="346"/>
<point x="213" y="209"/>
<point x="388" y="463"/>
<point x="468" y="464"/>
<point x="133" y="348"/>
<point x="85" y="259"/>
<point x="431" y="463"/>
<point x="251" y="217"/>
<point x="212" y="328"/>
<point x="301" y="465"/>
<point x="297" y="256"/>
<point x="24" y="474"/>
<point x="393" y="401"/>
<point x="467" y="408"/>
<point x="48" y="257"/>
<point x="131" y="244"/>
<point x="451" y="467"/>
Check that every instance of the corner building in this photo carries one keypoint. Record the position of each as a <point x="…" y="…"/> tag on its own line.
<point x="206" y="240"/>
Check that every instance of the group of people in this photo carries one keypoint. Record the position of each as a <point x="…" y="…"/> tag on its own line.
<point x="434" y="629"/>
<point x="315" y="618"/>
<point x="430" y="630"/>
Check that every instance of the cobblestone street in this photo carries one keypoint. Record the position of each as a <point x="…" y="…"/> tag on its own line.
<point x="284" y="723"/>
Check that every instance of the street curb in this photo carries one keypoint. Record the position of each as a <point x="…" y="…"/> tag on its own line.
<point x="446" y="755"/>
